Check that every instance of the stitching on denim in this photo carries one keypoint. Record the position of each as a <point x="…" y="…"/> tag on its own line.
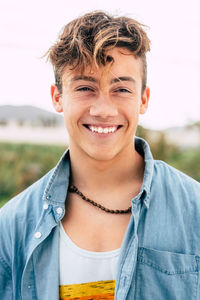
<point x="35" y="289"/>
<point x="49" y="184"/>
<point x="130" y="243"/>
<point x="198" y="277"/>
<point x="127" y="252"/>
<point x="52" y="202"/>
<point x="125" y="257"/>
<point x="196" y="286"/>
<point x="122" y="263"/>
<point x="5" y="265"/>
<point x="197" y="258"/>
<point x="155" y="266"/>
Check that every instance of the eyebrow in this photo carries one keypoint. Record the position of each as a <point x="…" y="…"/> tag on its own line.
<point x="86" y="78"/>
<point x="114" y="80"/>
<point x="123" y="78"/>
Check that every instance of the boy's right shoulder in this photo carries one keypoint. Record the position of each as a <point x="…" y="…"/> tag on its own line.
<point x="28" y="200"/>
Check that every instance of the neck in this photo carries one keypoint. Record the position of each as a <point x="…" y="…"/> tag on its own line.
<point x="90" y="174"/>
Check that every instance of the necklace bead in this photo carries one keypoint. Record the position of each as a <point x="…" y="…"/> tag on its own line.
<point x="74" y="189"/>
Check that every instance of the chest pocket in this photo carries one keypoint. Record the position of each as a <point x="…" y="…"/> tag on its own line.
<point x="164" y="275"/>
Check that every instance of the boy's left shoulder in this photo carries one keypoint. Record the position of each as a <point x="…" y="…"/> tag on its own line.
<point x="176" y="179"/>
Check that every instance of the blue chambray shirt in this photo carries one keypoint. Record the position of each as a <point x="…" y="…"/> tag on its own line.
<point x="159" y="257"/>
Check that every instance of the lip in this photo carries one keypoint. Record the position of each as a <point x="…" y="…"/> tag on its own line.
<point x="103" y="126"/>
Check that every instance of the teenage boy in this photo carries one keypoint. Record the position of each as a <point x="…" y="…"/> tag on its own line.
<point x="108" y="222"/>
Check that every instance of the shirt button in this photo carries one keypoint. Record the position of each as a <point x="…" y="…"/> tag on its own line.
<point x="59" y="210"/>
<point x="45" y="206"/>
<point x="38" y="235"/>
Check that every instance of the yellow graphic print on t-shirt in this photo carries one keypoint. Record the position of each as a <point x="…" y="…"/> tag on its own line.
<point x="99" y="290"/>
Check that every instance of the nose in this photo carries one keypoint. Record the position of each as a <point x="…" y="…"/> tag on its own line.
<point x="103" y="107"/>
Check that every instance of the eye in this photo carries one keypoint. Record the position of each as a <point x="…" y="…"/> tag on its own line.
<point x="122" y="90"/>
<point x="85" y="89"/>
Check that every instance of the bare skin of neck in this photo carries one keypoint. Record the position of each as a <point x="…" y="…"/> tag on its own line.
<point x="105" y="177"/>
<point x="113" y="184"/>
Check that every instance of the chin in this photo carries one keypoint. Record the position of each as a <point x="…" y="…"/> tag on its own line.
<point x="102" y="155"/>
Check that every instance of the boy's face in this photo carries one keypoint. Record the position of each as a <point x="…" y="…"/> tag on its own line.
<point x="101" y="107"/>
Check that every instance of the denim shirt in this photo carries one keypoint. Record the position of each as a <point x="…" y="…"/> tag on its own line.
<point x="159" y="256"/>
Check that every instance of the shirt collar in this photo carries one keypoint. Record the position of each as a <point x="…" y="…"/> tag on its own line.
<point x="143" y="148"/>
<point x="56" y="190"/>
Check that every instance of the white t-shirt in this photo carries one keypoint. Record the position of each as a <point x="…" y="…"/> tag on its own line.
<point x="86" y="273"/>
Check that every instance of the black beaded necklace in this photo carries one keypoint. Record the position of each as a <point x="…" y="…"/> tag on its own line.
<point x="73" y="189"/>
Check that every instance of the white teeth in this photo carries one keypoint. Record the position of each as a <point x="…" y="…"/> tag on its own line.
<point x="102" y="130"/>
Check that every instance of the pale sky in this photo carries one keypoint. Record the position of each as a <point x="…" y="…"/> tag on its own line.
<point x="29" y="28"/>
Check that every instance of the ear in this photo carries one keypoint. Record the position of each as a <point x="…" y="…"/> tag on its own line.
<point x="56" y="98"/>
<point x="144" y="100"/>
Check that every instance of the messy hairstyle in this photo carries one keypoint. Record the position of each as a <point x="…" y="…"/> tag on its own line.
<point x="84" y="41"/>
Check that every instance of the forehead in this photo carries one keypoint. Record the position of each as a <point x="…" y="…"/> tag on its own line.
<point x="123" y="64"/>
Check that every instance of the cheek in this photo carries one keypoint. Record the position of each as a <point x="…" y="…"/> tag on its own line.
<point x="72" y="113"/>
<point x="132" y="109"/>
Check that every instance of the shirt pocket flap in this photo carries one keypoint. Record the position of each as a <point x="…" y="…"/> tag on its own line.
<point x="168" y="262"/>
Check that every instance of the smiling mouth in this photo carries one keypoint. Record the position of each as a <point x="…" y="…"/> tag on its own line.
<point x="105" y="130"/>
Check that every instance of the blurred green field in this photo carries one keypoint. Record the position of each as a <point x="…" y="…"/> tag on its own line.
<point x="23" y="164"/>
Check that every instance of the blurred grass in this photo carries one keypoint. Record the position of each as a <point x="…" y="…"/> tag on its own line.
<point x="3" y="201"/>
<point x="23" y="164"/>
<point x="188" y="161"/>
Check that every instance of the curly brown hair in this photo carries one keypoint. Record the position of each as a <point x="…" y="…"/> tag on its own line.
<point x="84" y="42"/>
